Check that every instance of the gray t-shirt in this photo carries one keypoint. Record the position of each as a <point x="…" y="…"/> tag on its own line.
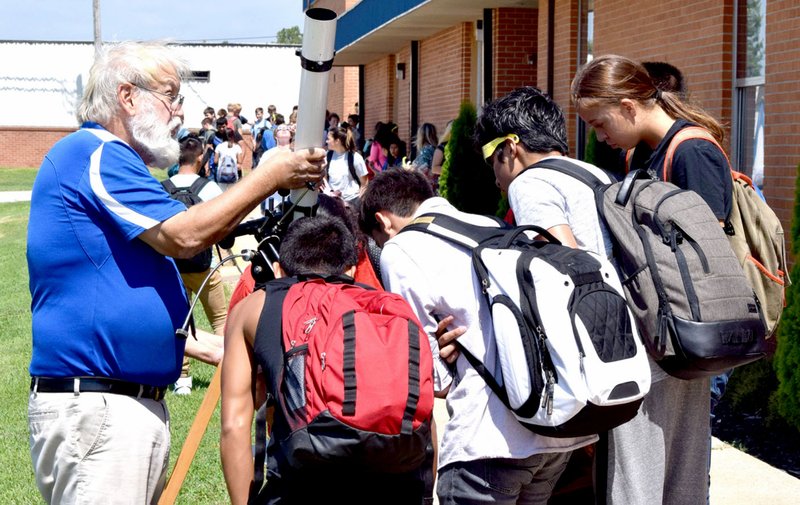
<point x="548" y="198"/>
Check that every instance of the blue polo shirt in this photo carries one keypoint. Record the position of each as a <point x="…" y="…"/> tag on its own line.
<point x="104" y="303"/>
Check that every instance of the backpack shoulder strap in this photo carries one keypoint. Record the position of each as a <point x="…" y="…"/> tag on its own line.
<point x="269" y="335"/>
<point x="454" y="230"/>
<point x="352" y="167"/>
<point x="690" y="132"/>
<point x="629" y="159"/>
<point x="571" y="169"/>
<point x="198" y="185"/>
<point x="169" y="186"/>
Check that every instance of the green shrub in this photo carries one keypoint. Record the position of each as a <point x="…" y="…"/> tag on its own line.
<point x="787" y="354"/>
<point x="466" y="181"/>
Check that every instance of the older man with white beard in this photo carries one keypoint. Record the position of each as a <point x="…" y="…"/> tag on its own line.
<point x="106" y="299"/>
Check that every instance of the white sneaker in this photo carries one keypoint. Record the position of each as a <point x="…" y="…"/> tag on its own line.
<point x="183" y="386"/>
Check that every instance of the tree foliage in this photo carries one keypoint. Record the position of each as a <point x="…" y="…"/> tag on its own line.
<point x="787" y="354"/>
<point x="290" y="36"/>
<point x="466" y="181"/>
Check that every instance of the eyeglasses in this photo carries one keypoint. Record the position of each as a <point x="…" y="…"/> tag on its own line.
<point x="489" y="148"/>
<point x="174" y="101"/>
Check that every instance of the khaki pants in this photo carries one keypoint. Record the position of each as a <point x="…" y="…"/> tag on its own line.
<point x="214" y="303"/>
<point x="95" y="448"/>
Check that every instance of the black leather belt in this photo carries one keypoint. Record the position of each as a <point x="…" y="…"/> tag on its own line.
<point x="95" y="385"/>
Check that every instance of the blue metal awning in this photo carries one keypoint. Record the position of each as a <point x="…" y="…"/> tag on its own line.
<point x="374" y="28"/>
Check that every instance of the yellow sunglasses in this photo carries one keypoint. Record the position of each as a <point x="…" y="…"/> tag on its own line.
<point x="489" y="148"/>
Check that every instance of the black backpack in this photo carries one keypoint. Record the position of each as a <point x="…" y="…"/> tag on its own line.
<point x="350" y="165"/>
<point x="190" y="196"/>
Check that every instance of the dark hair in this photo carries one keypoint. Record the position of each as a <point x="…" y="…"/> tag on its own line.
<point x="344" y="135"/>
<point x="191" y="149"/>
<point x="333" y="114"/>
<point x="259" y="109"/>
<point x="386" y="134"/>
<point x="279" y="119"/>
<point x="397" y="191"/>
<point x="208" y="110"/>
<point x="666" y="77"/>
<point x="317" y="245"/>
<point x="529" y="113"/>
<point x="354" y="118"/>
<point x="610" y="78"/>
<point x="221" y="121"/>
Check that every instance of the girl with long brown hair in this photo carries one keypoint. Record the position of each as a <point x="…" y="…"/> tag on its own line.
<point x="660" y="456"/>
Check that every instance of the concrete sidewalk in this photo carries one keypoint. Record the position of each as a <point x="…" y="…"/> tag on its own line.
<point x="14" y="196"/>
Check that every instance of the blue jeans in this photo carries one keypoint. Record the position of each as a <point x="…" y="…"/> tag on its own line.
<point x="528" y="481"/>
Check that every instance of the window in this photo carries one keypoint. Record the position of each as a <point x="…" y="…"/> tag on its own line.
<point x="748" y="127"/>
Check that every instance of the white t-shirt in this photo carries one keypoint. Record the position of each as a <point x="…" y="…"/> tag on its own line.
<point x="339" y="178"/>
<point x="223" y="148"/>
<point x="209" y="191"/>
<point x="438" y="280"/>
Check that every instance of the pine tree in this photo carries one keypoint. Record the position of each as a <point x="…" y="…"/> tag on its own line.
<point x="787" y="354"/>
<point x="466" y="181"/>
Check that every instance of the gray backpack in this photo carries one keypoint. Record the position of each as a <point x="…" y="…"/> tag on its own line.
<point x="693" y="305"/>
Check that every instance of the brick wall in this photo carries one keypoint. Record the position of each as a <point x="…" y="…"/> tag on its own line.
<point x="25" y="146"/>
<point x="36" y="142"/>
<point x="442" y="91"/>
<point x="782" y="128"/>
<point x="697" y="38"/>
<point x="515" y="47"/>
<point x="565" y="59"/>
<point x="379" y="94"/>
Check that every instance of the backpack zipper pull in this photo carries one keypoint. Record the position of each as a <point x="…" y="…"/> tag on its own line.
<point x="550" y="393"/>
<point x="310" y="325"/>
<point x="322" y="360"/>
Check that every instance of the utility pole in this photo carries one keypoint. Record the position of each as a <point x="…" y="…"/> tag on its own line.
<point x="98" y="39"/>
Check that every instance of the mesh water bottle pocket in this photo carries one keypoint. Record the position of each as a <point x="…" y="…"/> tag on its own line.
<point x="294" y="380"/>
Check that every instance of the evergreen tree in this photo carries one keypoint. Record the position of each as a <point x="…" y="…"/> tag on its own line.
<point x="466" y="181"/>
<point x="787" y="354"/>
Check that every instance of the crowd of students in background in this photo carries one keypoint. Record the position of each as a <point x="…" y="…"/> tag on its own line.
<point x="354" y="158"/>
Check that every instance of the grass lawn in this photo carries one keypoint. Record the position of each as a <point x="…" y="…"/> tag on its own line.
<point x="17" y="179"/>
<point x="204" y="483"/>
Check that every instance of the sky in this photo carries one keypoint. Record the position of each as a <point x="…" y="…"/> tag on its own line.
<point x="253" y="21"/>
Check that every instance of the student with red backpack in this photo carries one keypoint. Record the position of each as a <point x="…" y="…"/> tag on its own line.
<point x="350" y="370"/>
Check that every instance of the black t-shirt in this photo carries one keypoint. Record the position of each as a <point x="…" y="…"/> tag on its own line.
<point x="697" y="165"/>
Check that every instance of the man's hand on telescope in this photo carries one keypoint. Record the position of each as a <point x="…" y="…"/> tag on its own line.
<point x="296" y="169"/>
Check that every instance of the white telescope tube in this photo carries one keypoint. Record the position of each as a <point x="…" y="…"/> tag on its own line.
<point x="316" y="58"/>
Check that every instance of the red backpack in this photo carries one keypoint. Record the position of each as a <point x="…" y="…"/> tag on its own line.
<point x="351" y="373"/>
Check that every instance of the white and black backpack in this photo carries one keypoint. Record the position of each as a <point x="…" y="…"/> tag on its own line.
<point x="570" y="362"/>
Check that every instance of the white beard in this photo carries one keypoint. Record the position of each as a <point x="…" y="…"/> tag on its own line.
<point x="153" y="139"/>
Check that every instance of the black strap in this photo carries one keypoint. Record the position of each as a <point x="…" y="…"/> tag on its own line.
<point x="349" y="364"/>
<point x="413" y="379"/>
<point x="198" y="185"/>
<point x="350" y="165"/>
<point x="260" y="448"/>
<point x="313" y="65"/>
<point x="169" y="186"/>
<point x="625" y="191"/>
